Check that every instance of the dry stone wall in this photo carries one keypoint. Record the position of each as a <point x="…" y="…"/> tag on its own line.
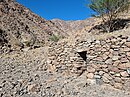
<point x="108" y="61"/>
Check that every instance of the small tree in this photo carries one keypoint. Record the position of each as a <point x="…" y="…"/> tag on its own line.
<point x="109" y="10"/>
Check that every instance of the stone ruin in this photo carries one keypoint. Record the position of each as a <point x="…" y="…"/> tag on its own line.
<point x="105" y="61"/>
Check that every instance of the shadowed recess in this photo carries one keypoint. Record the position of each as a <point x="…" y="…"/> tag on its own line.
<point x="83" y="55"/>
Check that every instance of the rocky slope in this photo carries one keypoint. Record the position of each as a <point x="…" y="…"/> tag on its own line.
<point x="80" y="65"/>
<point x="76" y="27"/>
<point x="21" y="27"/>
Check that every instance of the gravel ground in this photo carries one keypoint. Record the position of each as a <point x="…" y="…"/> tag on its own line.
<point x="23" y="75"/>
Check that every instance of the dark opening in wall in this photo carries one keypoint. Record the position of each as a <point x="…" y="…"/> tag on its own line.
<point x="83" y="55"/>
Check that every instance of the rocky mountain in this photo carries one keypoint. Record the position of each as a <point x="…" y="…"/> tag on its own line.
<point x="77" y="26"/>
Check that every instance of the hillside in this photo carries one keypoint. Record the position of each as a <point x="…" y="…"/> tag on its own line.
<point x="80" y="64"/>
<point x="19" y="26"/>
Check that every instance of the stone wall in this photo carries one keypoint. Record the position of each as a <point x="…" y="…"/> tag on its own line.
<point x="108" y="61"/>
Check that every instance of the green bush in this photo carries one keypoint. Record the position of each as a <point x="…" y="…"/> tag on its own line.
<point x="109" y="10"/>
<point x="54" y="38"/>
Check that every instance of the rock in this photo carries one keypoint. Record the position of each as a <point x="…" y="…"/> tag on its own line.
<point x="108" y="61"/>
<point x="118" y="79"/>
<point x="116" y="49"/>
<point x="124" y="60"/>
<point x="90" y="75"/>
<point x="101" y="73"/>
<point x="97" y="42"/>
<point x="104" y="56"/>
<point x="98" y="59"/>
<point x="90" y="69"/>
<point x="90" y="57"/>
<point x="103" y="49"/>
<point x="110" y="55"/>
<point x="128" y="54"/>
<point x="26" y="49"/>
<point x="104" y="66"/>
<point x="123" y="41"/>
<point x="112" y="73"/>
<point x="106" y="78"/>
<point x="115" y="58"/>
<point x="105" y="70"/>
<point x="118" y="85"/>
<point x="128" y="44"/>
<point x="128" y="39"/>
<point x="115" y="46"/>
<point x="117" y="74"/>
<point x="77" y="65"/>
<point x="126" y="49"/>
<point x="116" y="63"/>
<point x="113" y="40"/>
<point x="128" y="58"/>
<point x="124" y="66"/>
<point x="68" y="65"/>
<point x="97" y="76"/>
<point x="128" y="70"/>
<point x="113" y="69"/>
<point x="96" y="67"/>
<point x="115" y="54"/>
<point x="125" y="79"/>
<point x="0" y="13"/>
<point x="124" y="74"/>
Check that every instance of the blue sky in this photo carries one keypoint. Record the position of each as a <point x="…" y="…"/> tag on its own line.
<point x="61" y="9"/>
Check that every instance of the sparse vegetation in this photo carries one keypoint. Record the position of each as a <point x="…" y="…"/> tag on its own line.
<point x="54" y="38"/>
<point x="109" y="11"/>
<point x="27" y="43"/>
